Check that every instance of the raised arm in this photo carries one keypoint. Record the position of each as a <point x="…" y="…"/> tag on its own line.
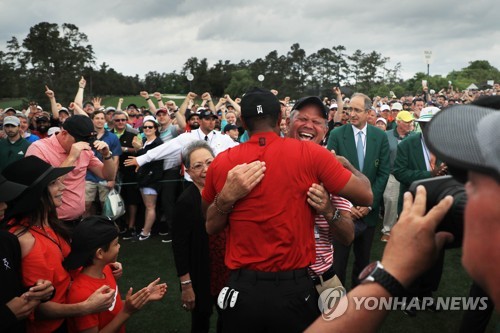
<point x="152" y="107"/>
<point x="340" y="105"/>
<point x="235" y="105"/>
<point x="206" y="97"/>
<point x="79" y="94"/>
<point x="53" y="104"/>
<point x="158" y="97"/>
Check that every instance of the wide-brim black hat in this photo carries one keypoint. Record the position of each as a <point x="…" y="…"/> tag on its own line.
<point x="34" y="173"/>
<point x="9" y="190"/>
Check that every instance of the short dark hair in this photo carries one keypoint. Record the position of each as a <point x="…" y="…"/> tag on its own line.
<point x="97" y="112"/>
<point x="90" y="259"/>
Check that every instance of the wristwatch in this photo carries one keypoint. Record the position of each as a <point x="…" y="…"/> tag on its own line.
<point x="335" y="217"/>
<point x="109" y="156"/>
<point x="375" y="272"/>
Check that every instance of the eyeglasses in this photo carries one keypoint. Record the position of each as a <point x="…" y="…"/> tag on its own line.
<point x="148" y="127"/>
<point x="201" y="165"/>
<point x="120" y="120"/>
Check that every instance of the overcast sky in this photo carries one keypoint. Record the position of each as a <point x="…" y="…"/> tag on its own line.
<point x="135" y="37"/>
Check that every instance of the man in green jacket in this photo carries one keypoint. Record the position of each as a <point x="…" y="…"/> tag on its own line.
<point x="367" y="149"/>
<point x="14" y="146"/>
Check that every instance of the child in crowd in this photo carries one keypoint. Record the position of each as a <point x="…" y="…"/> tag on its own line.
<point x="95" y="246"/>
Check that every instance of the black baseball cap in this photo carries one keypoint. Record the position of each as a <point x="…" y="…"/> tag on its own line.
<point x="314" y="100"/>
<point x="259" y="102"/>
<point x="207" y="114"/>
<point x="80" y="127"/>
<point x="90" y="234"/>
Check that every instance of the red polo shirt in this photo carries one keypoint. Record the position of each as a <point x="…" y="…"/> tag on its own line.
<point x="271" y="229"/>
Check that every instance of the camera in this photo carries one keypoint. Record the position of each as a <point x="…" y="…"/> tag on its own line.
<point x="437" y="188"/>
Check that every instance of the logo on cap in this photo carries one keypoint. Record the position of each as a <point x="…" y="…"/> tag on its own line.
<point x="259" y="109"/>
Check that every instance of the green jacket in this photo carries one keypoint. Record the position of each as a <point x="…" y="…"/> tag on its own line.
<point x="410" y="164"/>
<point x="376" y="166"/>
<point x="11" y="152"/>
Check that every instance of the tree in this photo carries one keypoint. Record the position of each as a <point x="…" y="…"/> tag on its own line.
<point x="54" y="56"/>
<point x="241" y="82"/>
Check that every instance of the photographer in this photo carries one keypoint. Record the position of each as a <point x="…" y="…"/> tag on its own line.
<point x="466" y="138"/>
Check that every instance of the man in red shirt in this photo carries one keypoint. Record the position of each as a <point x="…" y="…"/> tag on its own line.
<point x="270" y="235"/>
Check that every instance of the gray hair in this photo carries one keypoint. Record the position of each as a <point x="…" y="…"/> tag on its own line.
<point x="120" y="113"/>
<point x="192" y="147"/>
<point x="368" y="101"/>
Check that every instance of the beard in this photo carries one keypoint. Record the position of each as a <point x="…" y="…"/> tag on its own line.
<point x="194" y="125"/>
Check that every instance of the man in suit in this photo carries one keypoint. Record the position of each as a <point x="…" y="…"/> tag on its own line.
<point x="413" y="159"/>
<point x="413" y="162"/>
<point x="367" y="148"/>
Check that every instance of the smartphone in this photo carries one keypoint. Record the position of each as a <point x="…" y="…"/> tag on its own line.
<point x="424" y="83"/>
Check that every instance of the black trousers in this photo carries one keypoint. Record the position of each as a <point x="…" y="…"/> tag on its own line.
<point x="477" y="320"/>
<point x="169" y="193"/>
<point x="200" y="320"/>
<point x="428" y="282"/>
<point x="267" y="303"/>
<point x="361" y="246"/>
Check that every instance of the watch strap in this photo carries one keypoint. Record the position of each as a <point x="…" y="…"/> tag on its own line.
<point x="390" y="283"/>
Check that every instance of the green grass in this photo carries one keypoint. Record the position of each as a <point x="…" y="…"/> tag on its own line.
<point x="145" y="261"/>
<point x="15" y="103"/>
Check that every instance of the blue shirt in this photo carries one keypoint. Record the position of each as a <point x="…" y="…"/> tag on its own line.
<point x="114" y="146"/>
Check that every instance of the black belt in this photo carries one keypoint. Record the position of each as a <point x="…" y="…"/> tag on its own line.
<point x="249" y="274"/>
<point x="326" y="276"/>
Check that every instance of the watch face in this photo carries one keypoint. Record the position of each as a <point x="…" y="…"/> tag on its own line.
<point x="368" y="270"/>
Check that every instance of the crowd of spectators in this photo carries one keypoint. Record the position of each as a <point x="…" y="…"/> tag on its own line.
<point x="158" y="156"/>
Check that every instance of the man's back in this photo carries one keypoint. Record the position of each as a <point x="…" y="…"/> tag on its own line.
<point x="285" y="225"/>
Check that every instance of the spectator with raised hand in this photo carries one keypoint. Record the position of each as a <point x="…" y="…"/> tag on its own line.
<point x="44" y="241"/>
<point x="53" y="103"/>
<point x="119" y="105"/>
<point x="88" y="107"/>
<point x="234" y="104"/>
<point x="151" y="105"/>
<point x="339" y="115"/>
<point x="157" y="95"/>
<point x="208" y="100"/>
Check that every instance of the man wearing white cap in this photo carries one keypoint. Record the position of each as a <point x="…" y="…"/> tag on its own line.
<point x="13" y="146"/>
<point x="395" y="108"/>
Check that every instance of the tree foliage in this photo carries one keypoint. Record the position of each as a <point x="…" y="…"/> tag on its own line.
<point x="57" y="56"/>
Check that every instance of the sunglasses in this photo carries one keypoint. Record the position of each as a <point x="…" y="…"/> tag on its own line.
<point x="148" y="127"/>
<point x="120" y="120"/>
